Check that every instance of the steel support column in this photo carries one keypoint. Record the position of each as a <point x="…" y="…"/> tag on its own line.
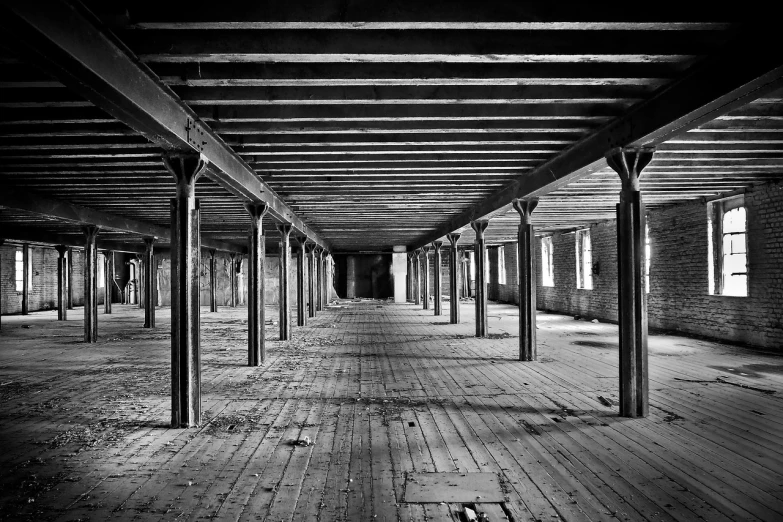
<point x="454" y="279"/>
<point x="526" y="279"/>
<point x="426" y="277"/>
<point x="301" y="281"/>
<point x="150" y="286"/>
<point x="481" y="284"/>
<point x="437" y="245"/>
<point x="256" y="349"/>
<point x="108" y="279"/>
<point x="285" y="272"/>
<point x="311" y="273"/>
<point x="90" y="285"/>
<point x="142" y="281"/>
<point x="237" y="269"/>
<point x="632" y="299"/>
<point x="464" y="262"/>
<point x="185" y="291"/>
<point x="62" y="283"/>
<point x="213" y="307"/>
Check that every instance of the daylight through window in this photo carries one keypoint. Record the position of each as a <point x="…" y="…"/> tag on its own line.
<point x="547" y="271"/>
<point x="584" y="260"/>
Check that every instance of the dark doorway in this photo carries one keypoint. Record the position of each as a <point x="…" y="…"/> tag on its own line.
<point x="364" y="275"/>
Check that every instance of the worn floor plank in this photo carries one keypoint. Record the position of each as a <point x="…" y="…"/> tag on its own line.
<point x="382" y="390"/>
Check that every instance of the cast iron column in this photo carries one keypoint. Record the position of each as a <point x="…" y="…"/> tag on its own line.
<point x="212" y="281"/>
<point x="325" y="280"/>
<point x="69" y="291"/>
<point x="232" y="279"/>
<point x="426" y="277"/>
<point x="108" y="280"/>
<point x="185" y="291"/>
<point x="237" y="269"/>
<point x="318" y="290"/>
<point x="526" y="279"/>
<point x="464" y="261"/>
<point x="90" y="285"/>
<point x="301" y="282"/>
<point x="62" y="283"/>
<point x="481" y="285"/>
<point x="150" y="282"/>
<point x="632" y="300"/>
<point x="409" y="277"/>
<point x="438" y="286"/>
<point x="417" y="276"/>
<point x="1" y="277"/>
<point x="256" y="349"/>
<point x="142" y="280"/>
<point x="26" y="277"/>
<point x="285" y="269"/>
<point x="310" y="247"/>
<point x="454" y="279"/>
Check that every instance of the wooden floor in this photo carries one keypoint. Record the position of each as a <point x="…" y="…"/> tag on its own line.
<point x="382" y="390"/>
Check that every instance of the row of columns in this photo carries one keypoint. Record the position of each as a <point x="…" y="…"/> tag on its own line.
<point x="632" y="301"/>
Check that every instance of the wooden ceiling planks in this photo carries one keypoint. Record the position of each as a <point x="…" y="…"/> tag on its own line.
<point x="382" y="126"/>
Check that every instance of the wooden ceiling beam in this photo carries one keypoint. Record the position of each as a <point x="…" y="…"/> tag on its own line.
<point x="68" y="42"/>
<point x="702" y="95"/>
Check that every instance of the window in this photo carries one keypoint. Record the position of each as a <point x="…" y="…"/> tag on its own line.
<point x="646" y="257"/>
<point x="101" y="277"/>
<point x="547" y="270"/>
<point x="584" y="260"/>
<point x="735" y="257"/>
<point x="728" y="232"/>
<point x="19" y="273"/>
<point x="502" y="265"/>
<point x="472" y="262"/>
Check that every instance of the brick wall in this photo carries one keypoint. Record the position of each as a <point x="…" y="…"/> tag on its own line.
<point x="43" y="291"/>
<point x="679" y="297"/>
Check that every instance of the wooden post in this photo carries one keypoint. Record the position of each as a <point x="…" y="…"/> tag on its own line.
<point x="69" y="292"/>
<point x="526" y="279"/>
<point x="256" y="349"/>
<point x="285" y="269"/>
<point x="108" y="279"/>
<point x="632" y="299"/>
<point x="454" y="279"/>
<point x="426" y="276"/>
<point x="437" y="245"/>
<point x="213" y="306"/>
<point x="26" y="277"/>
<point x="150" y="282"/>
<point x="232" y="279"/>
<point x="62" y="283"/>
<point x="185" y="291"/>
<point x="90" y="285"/>
<point x="311" y="273"/>
<point x="417" y="276"/>
<point x="481" y="285"/>
<point x="301" y="282"/>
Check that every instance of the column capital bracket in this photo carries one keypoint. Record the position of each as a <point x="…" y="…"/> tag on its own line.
<point x="628" y="162"/>
<point x="479" y="226"/>
<point x="185" y="166"/>
<point x="525" y="207"/>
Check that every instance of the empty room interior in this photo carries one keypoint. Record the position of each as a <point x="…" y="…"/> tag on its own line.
<point x="345" y="260"/>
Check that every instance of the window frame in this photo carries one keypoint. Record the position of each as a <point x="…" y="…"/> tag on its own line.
<point x="716" y="214"/>
<point x="584" y="260"/>
<point x="547" y="262"/>
<point x="502" y="275"/>
<point x="19" y="269"/>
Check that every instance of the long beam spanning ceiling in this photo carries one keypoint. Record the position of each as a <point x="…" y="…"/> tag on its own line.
<point x="383" y="124"/>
